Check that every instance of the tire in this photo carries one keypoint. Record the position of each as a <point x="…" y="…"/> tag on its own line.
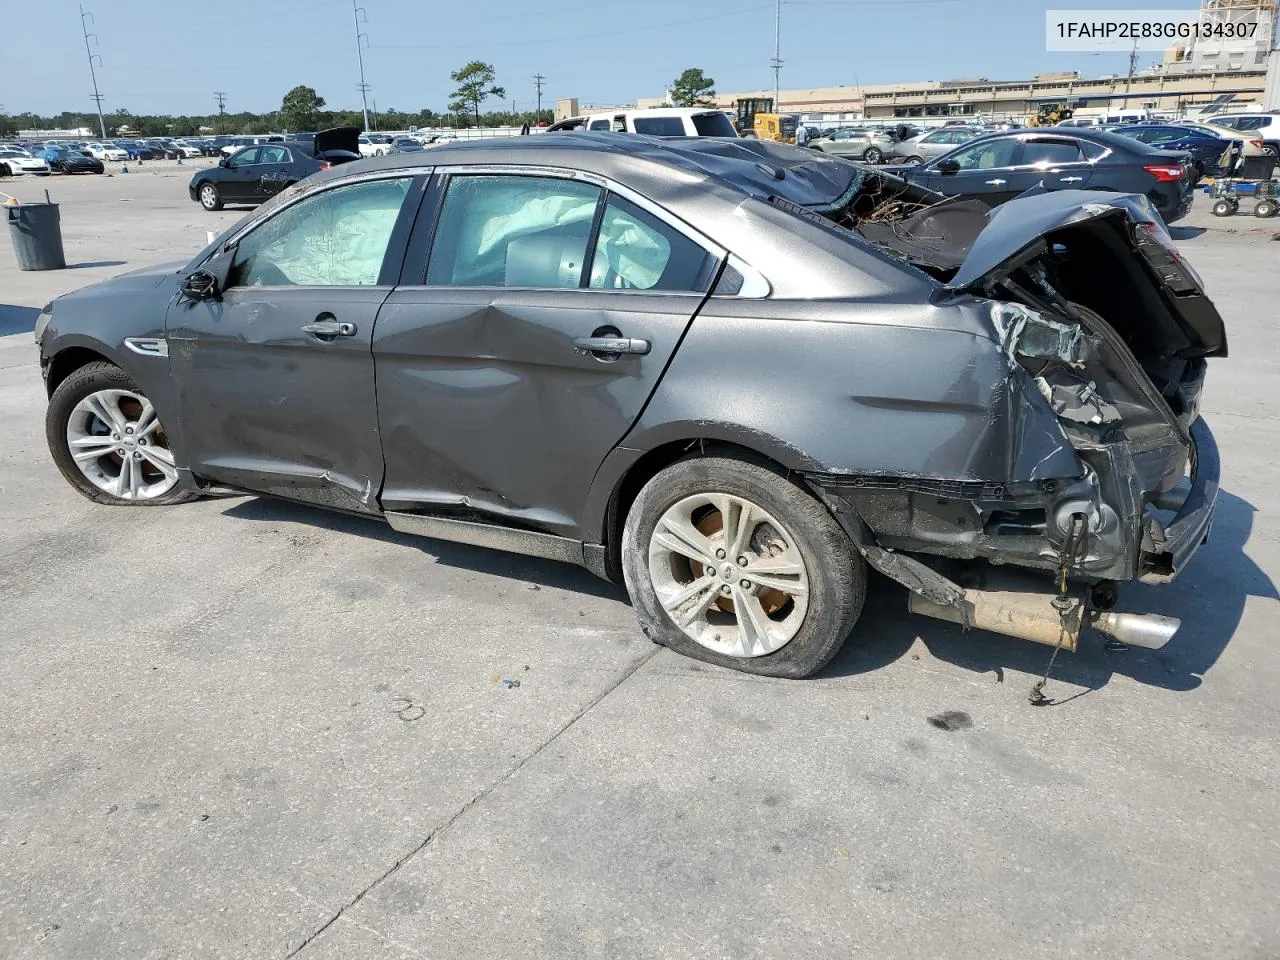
<point x="5" y="171"/>
<point x="803" y="630"/>
<point x="209" y="196"/>
<point x="1222" y="208"/>
<point x="1272" y="149"/>
<point x="1265" y="209"/>
<point x="70" y="413"/>
<point x="873" y="155"/>
<point x="914" y="160"/>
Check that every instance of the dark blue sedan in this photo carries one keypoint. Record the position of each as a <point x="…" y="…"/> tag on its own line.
<point x="62" y="160"/>
<point x="1204" y="147"/>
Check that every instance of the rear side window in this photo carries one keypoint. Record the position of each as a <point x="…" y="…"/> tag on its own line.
<point x="512" y="231"/>
<point x="1050" y="152"/>
<point x="637" y="251"/>
<point x="659" y="126"/>
<point x="713" y="125"/>
<point x="599" y="125"/>
<point x="273" y="155"/>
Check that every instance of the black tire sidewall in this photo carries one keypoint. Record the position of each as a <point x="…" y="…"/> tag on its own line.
<point x="837" y="572"/>
<point x="90" y="378"/>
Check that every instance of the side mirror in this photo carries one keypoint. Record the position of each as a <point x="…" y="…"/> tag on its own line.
<point x="201" y="285"/>
<point x="224" y="161"/>
<point x="948" y="168"/>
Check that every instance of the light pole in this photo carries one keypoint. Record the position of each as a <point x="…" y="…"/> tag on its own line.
<point x="777" y="57"/>
<point x="361" y="40"/>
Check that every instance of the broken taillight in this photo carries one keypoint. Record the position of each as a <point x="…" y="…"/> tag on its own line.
<point x="1163" y="254"/>
<point x="1164" y="173"/>
<point x="1257" y="143"/>
<point x="325" y="165"/>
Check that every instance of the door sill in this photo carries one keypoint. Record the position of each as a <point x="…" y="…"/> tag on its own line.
<point x="527" y="542"/>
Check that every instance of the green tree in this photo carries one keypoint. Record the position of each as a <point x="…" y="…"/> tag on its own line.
<point x="475" y="85"/>
<point x="300" y="109"/>
<point x="693" y="88"/>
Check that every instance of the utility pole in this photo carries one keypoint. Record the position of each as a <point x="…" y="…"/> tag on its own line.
<point x="537" y="85"/>
<point x="221" y="97"/>
<point x="1133" y="60"/>
<point x="97" y="97"/>
<point x="777" y="57"/>
<point x="362" y="40"/>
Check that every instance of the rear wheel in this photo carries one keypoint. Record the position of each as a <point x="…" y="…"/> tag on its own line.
<point x="914" y="160"/>
<point x="1272" y="150"/>
<point x="1265" y="208"/>
<point x="108" y="441"/>
<point x="873" y="155"/>
<point x="210" y="198"/>
<point x="729" y="562"/>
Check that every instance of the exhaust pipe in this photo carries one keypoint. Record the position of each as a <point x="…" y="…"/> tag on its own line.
<point x="1032" y="616"/>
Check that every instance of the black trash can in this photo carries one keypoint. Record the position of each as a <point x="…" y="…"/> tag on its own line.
<point x="36" y="232"/>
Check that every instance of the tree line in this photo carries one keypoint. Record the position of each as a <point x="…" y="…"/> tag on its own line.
<point x="302" y="108"/>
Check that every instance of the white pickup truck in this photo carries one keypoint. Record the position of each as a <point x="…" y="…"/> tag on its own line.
<point x="659" y="122"/>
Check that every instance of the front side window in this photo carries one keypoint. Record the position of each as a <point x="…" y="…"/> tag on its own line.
<point x="986" y="154"/>
<point x="512" y="231"/>
<point x="637" y="251"/>
<point x="245" y="158"/>
<point x="335" y="238"/>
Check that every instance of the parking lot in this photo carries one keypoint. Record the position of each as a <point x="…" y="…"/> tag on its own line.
<point x="240" y="728"/>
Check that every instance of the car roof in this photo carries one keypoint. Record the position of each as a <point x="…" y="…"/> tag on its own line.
<point x="655" y="112"/>
<point x="654" y="166"/>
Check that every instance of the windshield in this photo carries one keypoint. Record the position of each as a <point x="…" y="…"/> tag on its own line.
<point x="714" y="125"/>
<point x="787" y="126"/>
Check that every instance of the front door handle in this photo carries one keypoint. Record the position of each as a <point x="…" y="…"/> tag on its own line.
<point x="329" y="329"/>
<point x="614" y="345"/>
<point x="1070" y="179"/>
<point x="997" y="183"/>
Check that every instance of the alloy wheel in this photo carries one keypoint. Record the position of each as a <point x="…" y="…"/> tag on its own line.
<point x="117" y="442"/>
<point x="208" y="196"/>
<point x="729" y="575"/>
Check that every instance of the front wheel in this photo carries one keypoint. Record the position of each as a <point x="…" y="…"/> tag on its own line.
<point x="914" y="160"/>
<point x="729" y="562"/>
<point x="108" y="441"/>
<point x="210" y="199"/>
<point x="1222" y="208"/>
<point x="873" y="155"/>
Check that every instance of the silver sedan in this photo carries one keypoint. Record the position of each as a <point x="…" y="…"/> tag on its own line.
<point x="932" y="144"/>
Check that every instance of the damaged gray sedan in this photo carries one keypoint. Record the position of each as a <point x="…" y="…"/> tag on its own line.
<point x="731" y="374"/>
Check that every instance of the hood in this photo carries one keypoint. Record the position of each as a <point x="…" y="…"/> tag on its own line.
<point x="1021" y="230"/>
<point x="135" y="281"/>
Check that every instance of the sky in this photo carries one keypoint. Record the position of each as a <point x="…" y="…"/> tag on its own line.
<point x="169" y="56"/>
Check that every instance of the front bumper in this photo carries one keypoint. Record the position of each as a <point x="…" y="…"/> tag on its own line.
<point x="1167" y="549"/>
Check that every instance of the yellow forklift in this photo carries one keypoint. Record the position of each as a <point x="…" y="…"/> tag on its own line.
<point x="757" y="120"/>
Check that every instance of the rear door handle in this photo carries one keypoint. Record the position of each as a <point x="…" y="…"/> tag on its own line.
<point x="1070" y="179"/>
<point x="329" y="329"/>
<point x="611" y="345"/>
<point x="997" y="183"/>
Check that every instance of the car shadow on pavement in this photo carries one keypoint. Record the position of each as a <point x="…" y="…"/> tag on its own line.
<point x="16" y="319"/>
<point x="513" y="566"/>
<point x="88" y="264"/>
<point x="1209" y="599"/>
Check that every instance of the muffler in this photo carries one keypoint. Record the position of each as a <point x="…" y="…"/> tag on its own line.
<point x="1032" y="616"/>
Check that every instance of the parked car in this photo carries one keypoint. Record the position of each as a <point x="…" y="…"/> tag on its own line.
<point x="404" y="145"/>
<point x="62" y="160"/>
<point x="165" y="150"/>
<point x="658" y="122"/>
<point x="1206" y="149"/>
<point x="106" y="151"/>
<point x="1251" y="144"/>
<point x="1263" y="126"/>
<point x="550" y="346"/>
<point x="865" y="144"/>
<point x="930" y="145"/>
<point x="998" y="167"/>
<point x="253" y="174"/>
<point x="189" y="149"/>
<point x="375" y="144"/>
<point x="15" y="163"/>
<point x="135" y="150"/>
